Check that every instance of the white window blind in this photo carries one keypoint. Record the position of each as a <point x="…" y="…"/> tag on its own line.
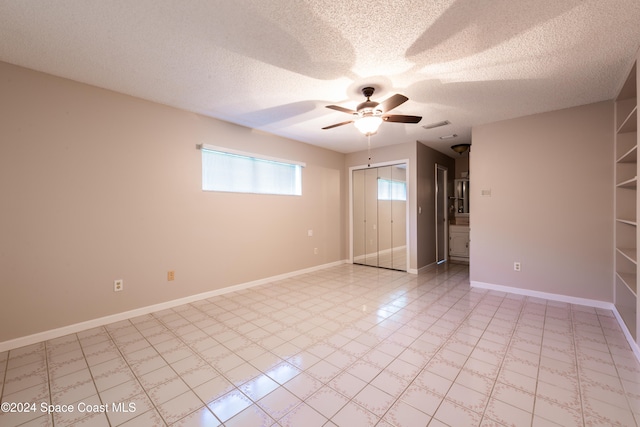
<point x="392" y="190"/>
<point x="237" y="172"/>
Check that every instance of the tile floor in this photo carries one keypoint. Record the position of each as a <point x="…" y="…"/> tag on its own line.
<point x="346" y="346"/>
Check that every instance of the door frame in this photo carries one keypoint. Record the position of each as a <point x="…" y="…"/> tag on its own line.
<point x="443" y="199"/>
<point x="408" y="223"/>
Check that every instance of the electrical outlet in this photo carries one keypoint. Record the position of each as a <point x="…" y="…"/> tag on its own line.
<point x="118" y="285"/>
<point x="315" y="251"/>
<point x="516" y="266"/>
<point x="171" y="275"/>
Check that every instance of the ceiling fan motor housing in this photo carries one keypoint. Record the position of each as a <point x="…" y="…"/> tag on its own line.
<point x="368" y="91"/>
<point x="369" y="108"/>
<point x="373" y="113"/>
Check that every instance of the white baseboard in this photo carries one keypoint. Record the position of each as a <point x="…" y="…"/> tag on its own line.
<point x="627" y="334"/>
<point x="567" y="299"/>
<point x="545" y="295"/>
<point x="101" y="321"/>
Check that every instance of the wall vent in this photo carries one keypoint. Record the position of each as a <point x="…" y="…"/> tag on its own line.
<point x="437" y="124"/>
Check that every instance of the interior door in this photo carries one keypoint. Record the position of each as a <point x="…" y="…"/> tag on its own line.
<point x="358" y="220"/>
<point x="385" y="219"/>
<point x="441" y="214"/>
<point x="371" y="216"/>
<point x="399" y="217"/>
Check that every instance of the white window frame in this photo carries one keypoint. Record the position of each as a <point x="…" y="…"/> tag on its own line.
<point x="255" y="183"/>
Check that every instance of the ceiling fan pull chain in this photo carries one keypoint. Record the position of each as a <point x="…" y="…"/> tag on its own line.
<point x="369" y="149"/>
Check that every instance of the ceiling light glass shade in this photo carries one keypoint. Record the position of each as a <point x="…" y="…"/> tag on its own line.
<point x="368" y="125"/>
<point x="460" y="148"/>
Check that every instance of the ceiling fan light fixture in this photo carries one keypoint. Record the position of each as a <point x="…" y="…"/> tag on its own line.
<point x="368" y="124"/>
<point x="369" y="115"/>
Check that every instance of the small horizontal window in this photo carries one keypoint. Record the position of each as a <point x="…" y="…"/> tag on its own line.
<point x="392" y="190"/>
<point x="237" y="172"/>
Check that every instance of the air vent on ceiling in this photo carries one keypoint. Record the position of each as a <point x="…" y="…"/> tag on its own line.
<point x="437" y="125"/>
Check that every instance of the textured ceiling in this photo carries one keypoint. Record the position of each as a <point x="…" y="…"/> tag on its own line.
<point x="275" y="64"/>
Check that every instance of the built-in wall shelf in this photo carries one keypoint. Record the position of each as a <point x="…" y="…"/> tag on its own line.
<point x="629" y="183"/>
<point x="630" y="253"/>
<point x="627" y="221"/>
<point x="630" y="280"/>
<point x="626" y="202"/>
<point x="629" y="110"/>
<point x="625" y="142"/>
<point x="631" y="156"/>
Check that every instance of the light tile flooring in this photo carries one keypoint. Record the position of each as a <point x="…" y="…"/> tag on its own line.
<point x="346" y="346"/>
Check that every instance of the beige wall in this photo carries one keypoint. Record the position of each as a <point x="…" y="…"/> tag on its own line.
<point x="551" y="203"/>
<point x="98" y="186"/>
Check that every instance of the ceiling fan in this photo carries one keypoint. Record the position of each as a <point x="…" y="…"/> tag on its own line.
<point x="370" y="114"/>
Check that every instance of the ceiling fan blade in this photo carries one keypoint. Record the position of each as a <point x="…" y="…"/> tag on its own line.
<point x="392" y="102"/>
<point x="399" y="118"/>
<point x="338" y="124"/>
<point x="341" y="109"/>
